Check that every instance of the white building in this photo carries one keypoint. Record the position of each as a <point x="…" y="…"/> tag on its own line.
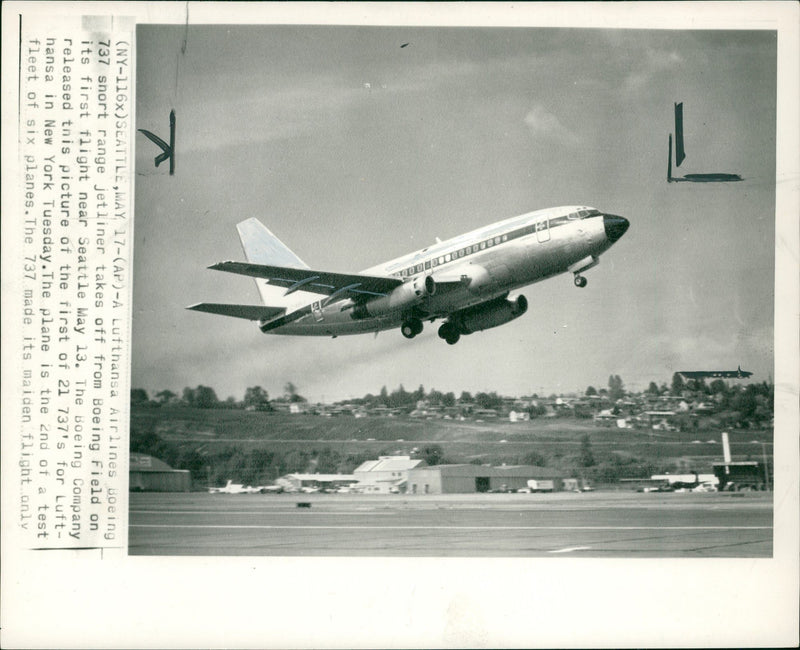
<point x="387" y="475"/>
<point x="295" y="482"/>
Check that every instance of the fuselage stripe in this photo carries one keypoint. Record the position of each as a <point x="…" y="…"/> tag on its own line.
<point x="445" y="257"/>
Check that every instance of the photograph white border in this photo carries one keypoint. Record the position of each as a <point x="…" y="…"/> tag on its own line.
<point x="66" y="599"/>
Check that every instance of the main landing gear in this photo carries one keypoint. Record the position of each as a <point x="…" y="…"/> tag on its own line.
<point x="411" y="327"/>
<point x="580" y="281"/>
<point x="449" y="333"/>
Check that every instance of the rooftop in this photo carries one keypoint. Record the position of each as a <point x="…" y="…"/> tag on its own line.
<point x="390" y="464"/>
<point x="321" y="477"/>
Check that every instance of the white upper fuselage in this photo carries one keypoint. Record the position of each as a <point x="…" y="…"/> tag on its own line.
<point x="474" y="267"/>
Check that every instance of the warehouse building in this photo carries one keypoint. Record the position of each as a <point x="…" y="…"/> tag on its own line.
<point x="467" y="479"/>
<point x="148" y="474"/>
<point x="734" y="476"/>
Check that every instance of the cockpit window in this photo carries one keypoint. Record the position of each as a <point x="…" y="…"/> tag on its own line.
<point x="573" y="215"/>
<point x="589" y="213"/>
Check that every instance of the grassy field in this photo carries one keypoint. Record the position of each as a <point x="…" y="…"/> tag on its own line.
<point x="558" y="440"/>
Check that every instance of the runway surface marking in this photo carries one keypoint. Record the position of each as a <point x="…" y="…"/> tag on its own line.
<point x="570" y="549"/>
<point x="287" y="511"/>
<point x="319" y="527"/>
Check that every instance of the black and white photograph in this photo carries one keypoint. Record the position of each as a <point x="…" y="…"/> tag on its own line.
<point x="563" y="339"/>
<point x="401" y="325"/>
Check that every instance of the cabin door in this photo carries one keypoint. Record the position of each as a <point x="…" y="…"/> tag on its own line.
<point x="543" y="230"/>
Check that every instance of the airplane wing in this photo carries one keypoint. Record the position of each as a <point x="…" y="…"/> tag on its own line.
<point x="323" y="282"/>
<point x="250" y="312"/>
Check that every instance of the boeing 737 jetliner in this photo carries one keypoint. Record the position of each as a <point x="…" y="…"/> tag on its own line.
<point x="464" y="281"/>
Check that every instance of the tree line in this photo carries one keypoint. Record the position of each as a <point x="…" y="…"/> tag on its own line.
<point x="256" y="398"/>
<point x="204" y="397"/>
<point x="754" y="401"/>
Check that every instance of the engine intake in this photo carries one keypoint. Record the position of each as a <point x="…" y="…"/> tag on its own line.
<point x="406" y="295"/>
<point x="486" y="315"/>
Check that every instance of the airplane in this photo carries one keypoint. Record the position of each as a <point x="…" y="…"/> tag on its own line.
<point x="716" y="374"/>
<point x="465" y="281"/>
<point x="680" y="155"/>
<point x="234" y="488"/>
<point x="693" y="482"/>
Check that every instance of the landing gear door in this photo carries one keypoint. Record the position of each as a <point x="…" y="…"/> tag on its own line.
<point x="316" y="310"/>
<point x="543" y="230"/>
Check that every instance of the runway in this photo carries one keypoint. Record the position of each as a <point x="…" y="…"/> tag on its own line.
<point x="614" y="524"/>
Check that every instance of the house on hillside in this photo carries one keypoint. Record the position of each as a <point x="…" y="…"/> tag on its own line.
<point x="605" y="418"/>
<point x="660" y="420"/>
<point x="519" y="416"/>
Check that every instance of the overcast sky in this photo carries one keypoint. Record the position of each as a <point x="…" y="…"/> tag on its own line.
<point x="354" y="150"/>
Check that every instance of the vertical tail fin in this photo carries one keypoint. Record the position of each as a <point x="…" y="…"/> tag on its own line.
<point x="680" y="154"/>
<point x="262" y="247"/>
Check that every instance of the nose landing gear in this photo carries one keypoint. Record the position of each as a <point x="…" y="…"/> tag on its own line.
<point x="411" y="327"/>
<point x="580" y="281"/>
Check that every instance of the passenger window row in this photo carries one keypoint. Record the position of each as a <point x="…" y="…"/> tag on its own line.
<point x="492" y="241"/>
<point x="457" y="254"/>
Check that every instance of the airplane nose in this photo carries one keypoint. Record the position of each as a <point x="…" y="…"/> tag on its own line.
<point x="615" y="226"/>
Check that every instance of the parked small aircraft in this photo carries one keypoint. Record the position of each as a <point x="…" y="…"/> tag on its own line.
<point x="234" y="488"/>
<point x="465" y="281"/>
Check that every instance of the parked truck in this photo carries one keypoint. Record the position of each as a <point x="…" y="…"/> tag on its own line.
<point x="536" y="485"/>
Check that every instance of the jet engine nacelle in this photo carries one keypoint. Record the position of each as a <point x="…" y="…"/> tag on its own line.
<point x="489" y="314"/>
<point x="406" y="295"/>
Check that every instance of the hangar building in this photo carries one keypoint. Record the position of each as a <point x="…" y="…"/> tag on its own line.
<point x="465" y="479"/>
<point x="148" y="474"/>
<point x="386" y="475"/>
<point x="741" y="475"/>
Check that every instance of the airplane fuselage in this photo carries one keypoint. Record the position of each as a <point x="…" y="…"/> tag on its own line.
<point x="468" y="270"/>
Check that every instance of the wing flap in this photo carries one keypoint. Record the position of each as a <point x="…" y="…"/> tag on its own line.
<point x="322" y="282"/>
<point x="250" y="312"/>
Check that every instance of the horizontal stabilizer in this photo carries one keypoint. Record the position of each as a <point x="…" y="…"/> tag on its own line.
<point x="323" y="282"/>
<point x="250" y="312"/>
